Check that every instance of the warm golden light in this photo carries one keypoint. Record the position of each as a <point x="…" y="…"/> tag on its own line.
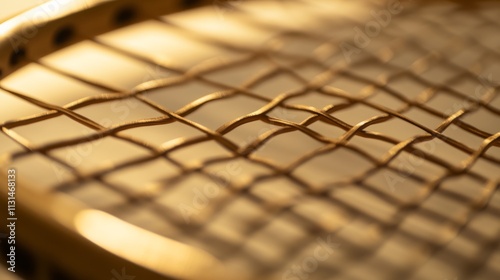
<point x="161" y="254"/>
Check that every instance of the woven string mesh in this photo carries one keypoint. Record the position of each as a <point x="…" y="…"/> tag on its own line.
<point x="380" y="166"/>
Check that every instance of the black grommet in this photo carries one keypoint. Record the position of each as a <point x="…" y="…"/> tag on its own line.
<point x="17" y="56"/>
<point x="190" y="3"/>
<point x="63" y="35"/>
<point x="124" y="15"/>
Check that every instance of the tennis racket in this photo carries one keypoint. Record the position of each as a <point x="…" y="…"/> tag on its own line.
<point x="251" y="140"/>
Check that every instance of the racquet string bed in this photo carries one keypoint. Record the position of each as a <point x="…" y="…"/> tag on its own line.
<point x="391" y="151"/>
